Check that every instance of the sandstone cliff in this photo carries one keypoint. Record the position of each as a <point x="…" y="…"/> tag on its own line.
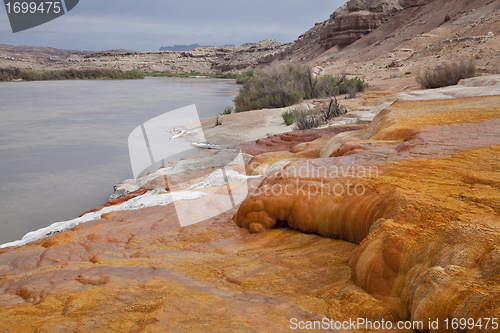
<point x="379" y="40"/>
<point x="356" y="19"/>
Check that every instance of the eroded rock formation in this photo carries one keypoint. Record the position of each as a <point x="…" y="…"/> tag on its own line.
<point x="418" y="189"/>
<point x="135" y="271"/>
<point x="286" y="141"/>
<point x="355" y="19"/>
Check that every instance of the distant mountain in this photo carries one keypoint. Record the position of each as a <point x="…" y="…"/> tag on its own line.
<point x="119" y="51"/>
<point x="184" y="47"/>
<point x="180" y="47"/>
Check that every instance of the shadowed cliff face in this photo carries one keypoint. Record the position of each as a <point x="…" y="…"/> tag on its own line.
<point x="419" y="190"/>
<point x="356" y="19"/>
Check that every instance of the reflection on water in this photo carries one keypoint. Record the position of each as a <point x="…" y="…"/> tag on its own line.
<point x="63" y="144"/>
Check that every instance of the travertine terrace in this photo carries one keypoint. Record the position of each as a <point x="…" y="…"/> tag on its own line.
<point x="426" y="220"/>
<point x="392" y="214"/>
<point x="420" y="242"/>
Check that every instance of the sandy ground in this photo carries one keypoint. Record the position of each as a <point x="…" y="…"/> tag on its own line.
<point x="240" y="127"/>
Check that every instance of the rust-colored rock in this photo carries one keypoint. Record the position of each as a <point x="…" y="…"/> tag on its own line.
<point x="418" y="190"/>
<point x="286" y="141"/>
<point x="139" y="271"/>
<point x="354" y="20"/>
<point x="274" y="152"/>
<point x="426" y="215"/>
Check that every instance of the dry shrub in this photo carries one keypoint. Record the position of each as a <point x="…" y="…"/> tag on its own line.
<point x="446" y="74"/>
<point x="218" y="121"/>
<point x="331" y="110"/>
<point x="284" y="85"/>
<point x="304" y="119"/>
<point x="307" y="119"/>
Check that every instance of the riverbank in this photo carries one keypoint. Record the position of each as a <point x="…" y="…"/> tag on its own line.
<point x="263" y="132"/>
<point x="421" y="241"/>
<point x="17" y="74"/>
<point x="75" y="133"/>
<point x="240" y="78"/>
<point x="21" y="74"/>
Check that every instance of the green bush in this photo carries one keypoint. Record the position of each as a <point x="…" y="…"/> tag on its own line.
<point x="227" y="110"/>
<point x="288" y="117"/>
<point x="328" y="85"/>
<point x="9" y="74"/>
<point x="217" y="75"/>
<point x="275" y="87"/>
<point x="286" y="85"/>
<point x="357" y="84"/>
<point x="446" y="74"/>
<point x="243" y="78"/>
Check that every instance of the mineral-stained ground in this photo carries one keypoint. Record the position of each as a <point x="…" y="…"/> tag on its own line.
<point x="398" y="220"/>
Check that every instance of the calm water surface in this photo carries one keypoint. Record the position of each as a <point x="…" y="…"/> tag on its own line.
<point x="63" y="144"/>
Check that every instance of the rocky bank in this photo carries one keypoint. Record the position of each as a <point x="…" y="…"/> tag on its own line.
<point x="397" y="220"/>
<point x="392" y="213"/>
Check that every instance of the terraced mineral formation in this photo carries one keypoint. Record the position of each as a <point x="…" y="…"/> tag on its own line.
<point x="419" y="190"/>
<point x="139" y="271"/>
<point x="280" y="149"/>
<point x="396" y="220"/>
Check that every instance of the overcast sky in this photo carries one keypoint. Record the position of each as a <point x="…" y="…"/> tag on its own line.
<point x="146" y="25"/>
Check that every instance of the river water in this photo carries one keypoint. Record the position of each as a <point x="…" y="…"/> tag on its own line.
<point x="63" y="144"/>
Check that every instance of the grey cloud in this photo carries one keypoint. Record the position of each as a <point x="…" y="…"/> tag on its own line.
<point x="146" y="25"/>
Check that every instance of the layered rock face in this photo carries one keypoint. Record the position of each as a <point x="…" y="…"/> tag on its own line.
<point x="357" y="18"/>
<point x="202" y="59"/>
<point x="351" y="22"/>
<point x="419" y="191"/>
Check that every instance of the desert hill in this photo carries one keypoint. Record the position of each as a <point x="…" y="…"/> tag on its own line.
<point x="384" y="40"/>
<point x="379" y="40"/>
